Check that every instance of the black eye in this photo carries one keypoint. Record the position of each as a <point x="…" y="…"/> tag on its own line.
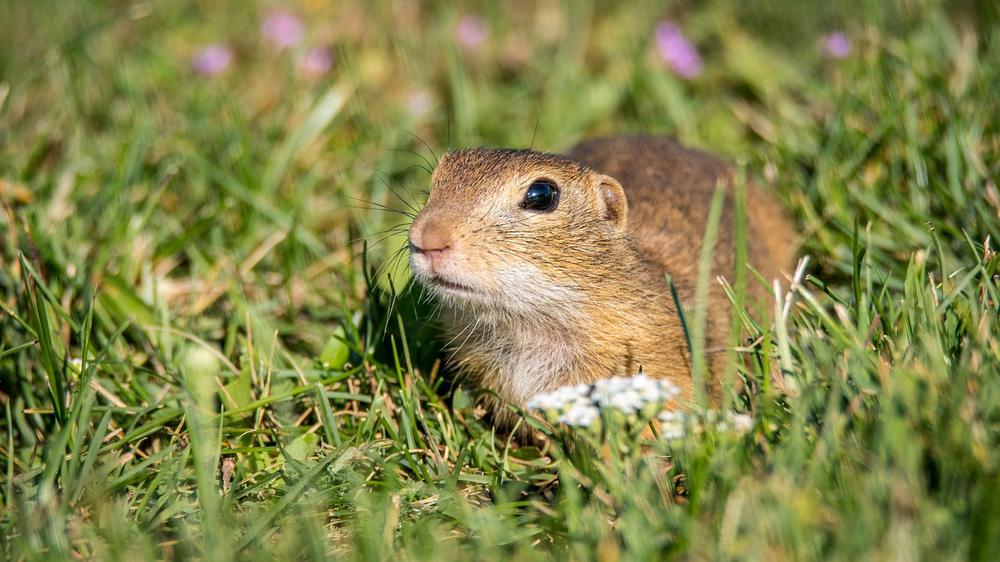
<point x="541" y="196"/>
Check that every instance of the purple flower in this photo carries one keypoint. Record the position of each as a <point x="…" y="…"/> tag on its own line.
<point x="213" y="59"/>
<point x="836" y="45"/>
<point x="283" y="29"/>
<point x="316" y="61"/>
<point x="470" y="32"/>
<point x="677" y="50"/>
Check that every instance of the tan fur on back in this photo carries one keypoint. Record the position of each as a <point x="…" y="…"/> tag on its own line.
<point x="566" y="297"/>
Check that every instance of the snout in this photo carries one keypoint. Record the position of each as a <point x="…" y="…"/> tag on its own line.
<point x="440" y="261"/>
<point x="431" y="244"/>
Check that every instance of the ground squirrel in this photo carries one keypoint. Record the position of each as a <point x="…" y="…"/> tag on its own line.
<point x="550" y="270"/>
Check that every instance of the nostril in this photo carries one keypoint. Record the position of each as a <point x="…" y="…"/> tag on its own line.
<point x="429" y="237"/>
<point x="435" y="252"/>
<point x="435" y="236"/>
<point x="429" y="252"/>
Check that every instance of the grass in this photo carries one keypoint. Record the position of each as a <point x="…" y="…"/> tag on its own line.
<point x="205" y="349"/>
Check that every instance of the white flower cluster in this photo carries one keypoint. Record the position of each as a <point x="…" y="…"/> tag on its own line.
<point x="580" y="405"/>
<point x="632" y="394"/>
<point x="674" y="425"/>
<point x="573" y="403"/>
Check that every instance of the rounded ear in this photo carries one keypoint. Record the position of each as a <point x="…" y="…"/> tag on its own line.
<point x="612" y="198"/>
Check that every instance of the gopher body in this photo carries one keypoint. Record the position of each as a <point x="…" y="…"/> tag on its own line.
<point x="536" y="294"/>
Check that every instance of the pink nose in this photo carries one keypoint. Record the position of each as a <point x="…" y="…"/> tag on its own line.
<point x="430" y="238"/>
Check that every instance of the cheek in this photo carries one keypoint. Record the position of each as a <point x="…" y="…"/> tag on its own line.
<point x="530" y="285"/>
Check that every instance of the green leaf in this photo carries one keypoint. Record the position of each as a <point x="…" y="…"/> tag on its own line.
<point x="302" y="447"/>
<point x="335" y="352"/>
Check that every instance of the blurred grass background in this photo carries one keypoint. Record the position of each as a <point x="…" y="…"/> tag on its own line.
<point x="202" y="350"/>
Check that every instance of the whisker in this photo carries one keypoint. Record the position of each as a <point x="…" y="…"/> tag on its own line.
<point x="380" y="207"/>
<point x="426" y="168"/>
<point x="395" y="229"/>
<point x="382" y="177"/>
<point x="538" y="118"/>
<point x="427" y="146"/>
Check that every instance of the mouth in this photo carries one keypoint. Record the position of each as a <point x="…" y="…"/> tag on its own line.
<point x="452" y="287"/>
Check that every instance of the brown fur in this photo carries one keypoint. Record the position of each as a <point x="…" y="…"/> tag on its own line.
<point x="579" y="294"/>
